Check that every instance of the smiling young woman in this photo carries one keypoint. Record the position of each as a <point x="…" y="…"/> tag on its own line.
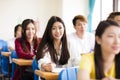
<point x="53" y="51"/>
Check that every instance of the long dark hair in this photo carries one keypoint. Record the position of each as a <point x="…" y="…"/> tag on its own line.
<point x="47" y="39"/>
<point x="103" y="25"/>
<point x="23" y="38"/>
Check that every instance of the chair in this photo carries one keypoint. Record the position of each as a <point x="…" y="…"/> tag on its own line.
<point x="13" y="55"/>
<point x="4" y="60"/>
<point x="68" y="74"/>
<point x="5" y="46"/>
<point x="34" y="67"/>
<point x="1" y="44"/>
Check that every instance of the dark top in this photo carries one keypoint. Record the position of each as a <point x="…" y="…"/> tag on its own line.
<point x="21" y="53"/>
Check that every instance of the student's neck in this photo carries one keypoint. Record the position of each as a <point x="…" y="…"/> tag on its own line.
<point x="80" y="34"/>
<point x="57" y="44"/>
<point x="108" y="57"/>
<point x="30" y="41"/>
<point x="108" y="60"/>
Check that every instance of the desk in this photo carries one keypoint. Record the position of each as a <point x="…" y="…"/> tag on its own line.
<point x="7" y="54"/>
<point x="47" y="75"/>
<point x="22" y="62"/>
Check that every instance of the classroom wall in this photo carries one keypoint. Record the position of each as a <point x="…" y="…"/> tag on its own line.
<point x="72" y="8"/>
<point x="13" y="12"/>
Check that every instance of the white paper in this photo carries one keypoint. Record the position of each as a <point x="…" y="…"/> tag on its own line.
<point x="57" y="70"/>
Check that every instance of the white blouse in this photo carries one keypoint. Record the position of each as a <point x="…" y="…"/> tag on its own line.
<point x="79" y="46"/>
<point x="47" y="59"/>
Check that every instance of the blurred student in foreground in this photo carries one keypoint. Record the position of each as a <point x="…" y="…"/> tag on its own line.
<point x="104" y="63"/>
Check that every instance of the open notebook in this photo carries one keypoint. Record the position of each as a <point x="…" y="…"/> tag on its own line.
<point x="57" y="70"/>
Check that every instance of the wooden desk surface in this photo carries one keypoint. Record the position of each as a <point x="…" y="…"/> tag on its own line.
<point x="22" y="62"/>
<point x="47" y="75"/>
<point x="7" y="54"/>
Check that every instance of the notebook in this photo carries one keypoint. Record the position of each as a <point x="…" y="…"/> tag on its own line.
<point x="57" y="70"/>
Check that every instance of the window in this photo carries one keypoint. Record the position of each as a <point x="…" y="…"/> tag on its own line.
<point x="101" y="11"/>
<point x="118" y="5"/>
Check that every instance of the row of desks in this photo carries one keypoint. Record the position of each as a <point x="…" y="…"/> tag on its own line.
<point x="25" y="62"/>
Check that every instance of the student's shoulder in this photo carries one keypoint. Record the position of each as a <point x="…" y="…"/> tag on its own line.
<point x="18" y="40"/>
<point x="88" y="55"/>
<point x="71" y="35"/>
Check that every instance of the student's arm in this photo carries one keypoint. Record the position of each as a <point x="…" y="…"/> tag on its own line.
<point x="83" y="75"/>
<point x="47" y="67"/>
<point x="46" y="63"/>
<point x="11" y="48"/>
<point x="109" y="78"/>
<point x="85" y="67"/>
<point x="74" y="57"/>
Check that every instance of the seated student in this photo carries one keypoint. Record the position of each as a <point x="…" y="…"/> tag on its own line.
<point x="80" y="41"/>
<point x="17" y="34"/>
<point x="104" y="63"/>
<point x="53" y="51"/>
<point x="115" y="16"/>
<point x="26" y="46"/>
<point x="11" y="42"/>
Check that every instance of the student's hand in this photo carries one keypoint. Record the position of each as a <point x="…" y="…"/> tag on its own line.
<point x="11" y="49"/>
<point x="34" y="57"/>
<point x="47" y="67"/>
<point x="108" y="78"/>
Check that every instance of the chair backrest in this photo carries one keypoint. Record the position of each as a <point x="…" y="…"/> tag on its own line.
<point x="1" y="45"/>
<point x="34" y="67"/>
<point x="68" y="74"/>
<point x="4" y="60"/>
<point x="13" y="55"/>
<point x="5" y="46"/>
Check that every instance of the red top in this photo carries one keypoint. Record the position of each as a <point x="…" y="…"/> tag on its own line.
<point x="21" y="53"/>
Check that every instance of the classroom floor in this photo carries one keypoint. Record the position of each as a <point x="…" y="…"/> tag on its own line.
<point x="4" y="78"/>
